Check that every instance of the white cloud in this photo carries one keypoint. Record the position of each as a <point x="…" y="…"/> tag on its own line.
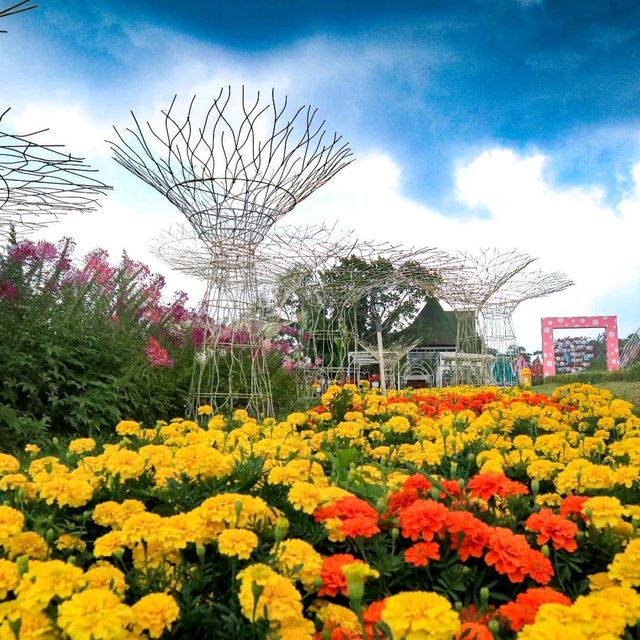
<point x="504" y="198"/>
<point x="569" y="229"/>
<point x="68" y="124"/>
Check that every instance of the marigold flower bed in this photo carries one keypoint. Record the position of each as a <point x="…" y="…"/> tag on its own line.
<point x="426" y="515"/>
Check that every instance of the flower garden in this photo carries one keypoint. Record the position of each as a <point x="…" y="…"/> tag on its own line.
<point x="459" y="513"/>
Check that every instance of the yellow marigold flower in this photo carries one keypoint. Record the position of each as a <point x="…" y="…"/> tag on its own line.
<point x="32" y="448"/>
<point x="548" y="500"/>
<point x="63" y="489"/>
<point x="296" y="418"/>
<point x="597" y="476"/>
<point x="296" y="470"/>
<point x="620" y="409"/>
<point x="27" y="543"/>
<point x="240" y="414"/>
<point x="96" y="614"/>
<point x="268" y="595"/>
<point x="201" y="462"/>
<point x="233" y="510"/>
<point x="596" y="614"/>
<point x="106" y="576"/>
<point x="307" y="497"/>
<point x="156" y="455"/>
<point x="141" y="526"/>
<point x="334" y="615"/>
<point x="297" y="629"/>
<point x="68" y="542"/>
<point x="34" y="625"/>
<point x="606" y="423"/>
<point x="216" y="423"/>
<point x="603" y="511"/>
<point x="9" y="577"/>
<point x="8" y="463"/>
<point x="628" y="598"/>
<point x="542" y="469"/>
<point x="599" y="581"/>
<point x="397" y="424"/>
<point x="128" y="428"/>
<point x="11" y="522"/>
<point x="128" y="465"/>
<point x="15" y="480"/>
<point x="625" y="568"/>
<point x="162" y="476"/>
<point x="108" y="544"/>
<point x="627" y="476"/>
<point x="113" y="514"/>
<point x="552" y="630"/>
<point x="45" y="580"/>
<point x="155" y="613"/>
<point x="205" y="410"/>
<point x="421" y="615"/>
<point x="298" y="559"/>
<point x="82" y="445"/>
<point x="237" y="542"/>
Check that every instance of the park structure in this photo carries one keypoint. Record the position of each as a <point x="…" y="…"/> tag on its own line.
<point x="233" y="171"/>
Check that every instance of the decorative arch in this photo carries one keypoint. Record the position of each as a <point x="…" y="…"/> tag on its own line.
<point x="608" y="323"/>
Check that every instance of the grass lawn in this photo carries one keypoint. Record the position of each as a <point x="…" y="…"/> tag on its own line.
<point x="626" y="390"/>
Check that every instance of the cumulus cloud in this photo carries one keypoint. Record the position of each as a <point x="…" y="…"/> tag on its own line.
<point x="505" y="201"/>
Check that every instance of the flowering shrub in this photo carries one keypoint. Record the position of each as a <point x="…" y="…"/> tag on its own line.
<point x="82" y="345"/>
<point x="450" y="514"/>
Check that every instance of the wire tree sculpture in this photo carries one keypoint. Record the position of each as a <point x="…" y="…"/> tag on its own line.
<point x="288" y="261"/>
<point x="467" y="291"/>
<point x="39" y="182"/>
<point x="13" y="9"/>
<point x="313" y="281"/>
<point x="630" y="354"/>
<point x="234" y="174"/>
<point x="497" y="316"/>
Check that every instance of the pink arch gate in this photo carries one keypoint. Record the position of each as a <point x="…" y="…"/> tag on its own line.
<point x="608" y="323"/>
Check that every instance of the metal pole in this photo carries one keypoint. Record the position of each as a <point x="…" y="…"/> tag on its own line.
<point x="383" y="381"/>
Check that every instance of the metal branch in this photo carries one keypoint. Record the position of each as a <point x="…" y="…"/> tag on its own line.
<point x="14" y="9"/>
<point x="39" y="182"/>
<point x="233" y="174"/>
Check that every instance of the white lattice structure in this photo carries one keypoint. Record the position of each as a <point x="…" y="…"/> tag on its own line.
<point x="233" y="172"/>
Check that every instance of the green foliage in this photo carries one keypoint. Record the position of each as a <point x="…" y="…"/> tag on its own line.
<point x="73" y="344"/>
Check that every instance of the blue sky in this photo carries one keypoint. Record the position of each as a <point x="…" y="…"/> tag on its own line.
<point x="425" y="87"/>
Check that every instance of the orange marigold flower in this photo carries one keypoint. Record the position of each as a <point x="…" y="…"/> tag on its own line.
<point x="340" y="633"/>
<point x="571" y="507"/>
<point x="420" y="553"/>
<point x="473" y="631"/>
<point x="488" y="485"/>
<point x="549" y="526"/>
<point x="468" y="534"/>
<point x="524" y="608"/>
<point x="333" y="579"/>
<point x="358" y="517"/>
<point x="540" y="568"/>
<point x="371" y="616"/>
<point x="423" y="518"/>
<point x="509" y="554"/>
<point x="416" y="487"/>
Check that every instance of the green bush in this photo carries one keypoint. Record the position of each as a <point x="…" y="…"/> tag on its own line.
<point x="82" y="347"/>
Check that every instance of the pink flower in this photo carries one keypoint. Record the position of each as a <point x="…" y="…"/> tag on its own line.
<point x="157" y="355"/>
